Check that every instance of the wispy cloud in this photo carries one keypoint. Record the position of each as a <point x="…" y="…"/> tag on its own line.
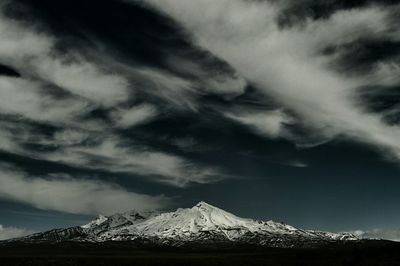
<point x="34" y="54"/>
<point x="168" y="87"/>
<point x="128" y="117"/>
<point x="112" y="156"/>
<point x="103" y="150"/>
<point x="61" y="89"/>
<point x="60" y="192"/>
<point x="24" y="98"/>
<point x="288" y="65"/>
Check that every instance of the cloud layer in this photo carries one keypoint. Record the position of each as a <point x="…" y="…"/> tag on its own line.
<point x="289" y="63"/>
<point x="72" y="195"/>
<point x="62" y="90"/>
<point x="172" y="95"/>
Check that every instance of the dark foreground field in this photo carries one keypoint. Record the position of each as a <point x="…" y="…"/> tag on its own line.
<point x="366" y="253"/>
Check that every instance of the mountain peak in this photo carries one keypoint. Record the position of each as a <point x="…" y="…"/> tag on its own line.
<point x="100" y="219"/>
<point x="203" y="204"/>
<point x="202" y="223"/>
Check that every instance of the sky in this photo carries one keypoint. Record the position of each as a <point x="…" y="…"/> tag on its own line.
<point x="274" y="110"/>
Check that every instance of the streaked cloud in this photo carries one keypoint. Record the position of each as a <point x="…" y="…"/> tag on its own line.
<point x="288" y="65"/>
<point x="61" y="192"/>
<point x="34" y="54"/>
<point x="62" y="89"/>
<point x="127" y="117"/>
<point x="24" y="98"/>
<point x="112" y="156"/>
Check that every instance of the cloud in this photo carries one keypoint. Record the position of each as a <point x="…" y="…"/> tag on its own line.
<point x="13" y="232"/>
<point x="288" y="65"/>
<point x="127" y="117"/>
<point x="83" y="79"/>
<point x="60" y="90"/>
<point x="104" y="150"/>
<point x="268" y="123"/>
<point x="35" y="55"/>
<point x="388" y="234"/>
<point x="68" y="137"/>
<point x="26" y="99"/>
<point x="207" y="71"/>
<point x="295" y="163"/>
<point x="170" y="88"/>
<point x="6" y="141"/>
<point x="112" y="156"/>
<point x="73" y="195"/>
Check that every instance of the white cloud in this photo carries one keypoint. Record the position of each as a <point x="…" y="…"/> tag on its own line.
<point x="33" y="53"/>
<point x="19" y="44"/>
<point x="171" y="88"/>
<point x="69" y="137"/>
<point x="66" y="194"/>
<point x="103" y="150"/>
<point x="113" y="156"/>
<point x="386" y="74"/>
<point x="286" y="65"/>
<point x="14" y="133"/>
<point x="46" y="73"/>
<point x="213" y="79"/>
<point x="127" y="117"/>
<point x="25" y="99"/>
<point x="13" y="232"/>
<point x="388" y="234"/>
<point x="268" y="123"/>
<point x="6" y="141"/>
<point x="344" y="27"/>
<point x="83" y="79"/>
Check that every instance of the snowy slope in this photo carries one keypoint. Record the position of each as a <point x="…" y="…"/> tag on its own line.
<point x="117" y="221"/>
<point x="202" y="223"/>
<point x="200" y="219"/>
<point x="206" y="223"/>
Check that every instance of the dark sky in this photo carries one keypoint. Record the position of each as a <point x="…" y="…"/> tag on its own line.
<point x="281" y="110"/>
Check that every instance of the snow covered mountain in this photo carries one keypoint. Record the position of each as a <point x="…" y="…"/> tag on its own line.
<point x="202" y="223"/>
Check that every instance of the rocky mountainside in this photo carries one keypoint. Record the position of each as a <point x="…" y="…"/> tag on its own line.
<point x="202" y="223"/>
